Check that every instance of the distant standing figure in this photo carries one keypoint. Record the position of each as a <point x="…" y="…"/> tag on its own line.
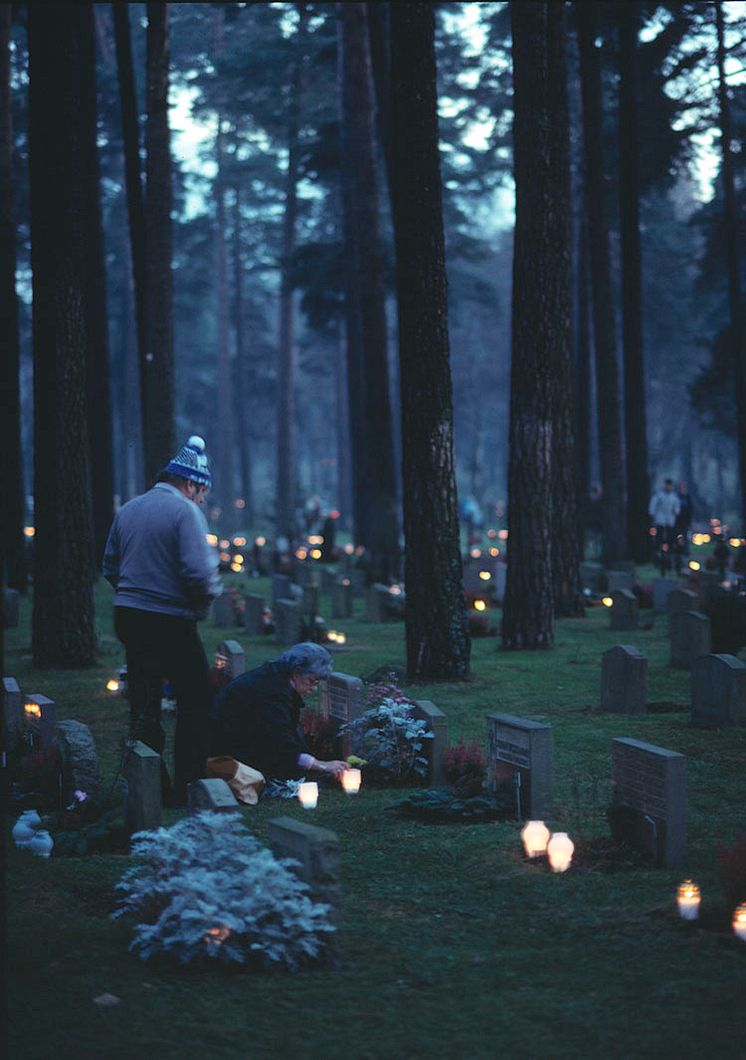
<point x="663" y="509"/>
<point x="165" y="575"/>
<point x="683" y="524"/>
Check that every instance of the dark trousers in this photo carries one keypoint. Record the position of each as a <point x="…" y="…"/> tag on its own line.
<point x="159" y="646"/>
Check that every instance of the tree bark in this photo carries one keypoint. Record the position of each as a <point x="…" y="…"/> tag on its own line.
<point x="732" y="230"/>
<point x="344" y="481"/>
<point x="608" y="397"/>
<point x="438" y="645"/>
<point x="380" y="509"/>
<point x="584" y="389"/>
<point x="635" y="414"/>
<point x="539" y="307"/>
<point x="133" y="186"/>
<point x="243" y="445"/>
<point x="12" y="551"/>
<point x="63" y="633"/>
<point x="225" y="435"/>
<point x="158" y="405"/>
<point x="97" y="343"/>
<point x="379" y="32"/>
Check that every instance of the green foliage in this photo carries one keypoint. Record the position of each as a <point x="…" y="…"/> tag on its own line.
<point x="444" y="806"/>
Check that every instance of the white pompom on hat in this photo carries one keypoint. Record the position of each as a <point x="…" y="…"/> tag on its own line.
<point x="191" y="462"/>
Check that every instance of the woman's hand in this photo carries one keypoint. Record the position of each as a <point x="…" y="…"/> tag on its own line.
<point x="336" y="768"/>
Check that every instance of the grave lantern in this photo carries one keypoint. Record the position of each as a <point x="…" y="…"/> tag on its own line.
<point x="480" y="605"/>
<point x="351" y="781"/>
<point x="535" y="836"/>
<point x="693" y="565"/>
<point x="485" y="575"/>
<point x="688" y="899"/>
<point x="112" y="685"/>
<point x="308" y="794"/>
<point x="32" y="712"/>
<point x="607" y="601"/>
<point x="739" y="921"/>
<point x="559" y="851"/>
<point x="260" y="542"/>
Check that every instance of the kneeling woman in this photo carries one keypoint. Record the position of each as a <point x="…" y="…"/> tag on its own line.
<point x="257" y="715"/>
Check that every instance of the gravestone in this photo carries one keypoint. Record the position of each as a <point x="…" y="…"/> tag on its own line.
<point x="223" y="614"/>
<point x="281" y="588"/>
<point x="11" y="598"/>
<point x="662" y="587"/>
<point x="624" y="681"/>
<point x="40" y="716"/>
<point x="315" y="852"/>
<point x="649" y="800"/>
<point x="437" y="724"/>
<point x="329" y="579"/>
<point x="690" y="637"/>
<point x="305" y="575"/>
<point x="288" y="622"/>
<point x="718" y="692"/>
<point x="680" y="600"/>
<point x="501" y="577"/>
<point x="626" y="565"/>
<point x="310" y="601"/>
<point x="474" y="583"/>
<point x="213" y="794"/>
<point x="230" y="658"/>
<point x="619" y="579"/>
<point x="624" y="611"/>
<point x="519" y="754"/>
<point x="142" y="771"/>
<point x="254" y="608"/>
<point x="13" y="720"/>
<point x="80" y="769"/>
<point x="592" y="577"/>
<point x="708" y="581"/>
<point x="375" y="602"/>
<point x="342" y="599"/>
<point x="342" y="701"/>
<point x="359" y="581"/>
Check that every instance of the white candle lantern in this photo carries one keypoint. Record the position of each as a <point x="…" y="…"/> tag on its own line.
<point x="559" y="851"/>
<point x="535" y="836"/>
<point x="739" y="921"/>
<point x="688" y="899"/>
<point x="308" y="794"/>
<point x="351" y="781"/>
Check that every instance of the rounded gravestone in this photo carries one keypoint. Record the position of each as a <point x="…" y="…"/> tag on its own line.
<point x="80" y="769"/>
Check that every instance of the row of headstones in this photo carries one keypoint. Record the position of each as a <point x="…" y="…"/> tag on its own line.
<point x="293" y="602"/>
<point x="718" y="685"/>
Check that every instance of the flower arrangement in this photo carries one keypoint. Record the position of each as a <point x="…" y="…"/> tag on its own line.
<point x="465" y="766"/>
<point x="208" y="889"/>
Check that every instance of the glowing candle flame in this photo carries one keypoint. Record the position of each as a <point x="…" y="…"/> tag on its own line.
<point x="351" y="781"/>
<point x="308" y="794"/>
<point x="480" y="605"/>
<point x="112" y="685"/>
<point x="688" y="899"/>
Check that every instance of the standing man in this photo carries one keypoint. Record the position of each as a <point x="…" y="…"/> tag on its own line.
<point x="663" y="509"/>
<point x="165" y="575"/>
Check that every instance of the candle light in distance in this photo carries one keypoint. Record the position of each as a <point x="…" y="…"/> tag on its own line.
<point x="480" y="605"/>
<point x="559" y="851"/>
<point x="693" y="565"/>
<point x="351" y="781"/>
<point x="308" y="794"/>
<point x="112" y="685"/>
<point x="607" y="601"/>
<point x="739" y="921"/>
<point x="688" y="899"/>
<point x="535" y="836"/>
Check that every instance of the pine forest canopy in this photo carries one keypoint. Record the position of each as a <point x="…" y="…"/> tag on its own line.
<point x="259" y="307"/>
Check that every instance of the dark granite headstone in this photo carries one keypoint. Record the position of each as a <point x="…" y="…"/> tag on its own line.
<point x="592" y="577"/>
<point x="649" y="800"/>
<point x="662" y="588"/>
<point x="434" y="749"/>
<point x="375" y="603"/>
<point x="520" y="755"/>
<point x="342" y="701"/>
<point x="288" y="622"/>
<point x="40" y="716"/>
<point x="281" y="588"/>
<point x="690" y="637"/>
<point x="718" y="692"/>
<point x="619" y="579"/>
<point x="680" y="600"/>
<point x="223" y="614"/>
<point x="80" y="768"/>
<point x="624" y="681"/>
<point x="342" y="599"/>
<point x="624" y="611"/>
<point x="310" y="601"/>
<point x="142" y="771"/>
<point x="230" y="658"/>
<point x="254" y="607"/>
<point x="13" y="720"/>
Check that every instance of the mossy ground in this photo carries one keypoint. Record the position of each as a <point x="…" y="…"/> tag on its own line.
<point x="453" y="945"/>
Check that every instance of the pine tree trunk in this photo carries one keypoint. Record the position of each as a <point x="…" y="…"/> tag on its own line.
<point x="539" y="307"/>
<point x="614" y="521"/>
<point x="224" y="443"/>
<point x="366" y="261"/>
<point x="239" y="378"/>
<point x="158" y="408"/>
<point x="732" y="230"/>
<point x="99" y="397"/>
<point x="344" y="482"/>
<point x="438" y="645"/>
<point x="11" y="468"/>
<point x="566" y="537"/>
<point x="134" y="190"/>
<point x="63" y="633"/>
<point x="584" y="389"/>
<point x="379" y="32"/>
<point x="635" y="415"/>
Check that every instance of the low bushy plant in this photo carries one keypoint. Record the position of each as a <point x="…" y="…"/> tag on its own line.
<point x="208" y="889"/>
<point x="391" y="739"/>
<point x="465" y="766"/>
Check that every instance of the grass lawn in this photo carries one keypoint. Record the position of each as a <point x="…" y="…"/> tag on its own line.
<point x="453" y="946"/>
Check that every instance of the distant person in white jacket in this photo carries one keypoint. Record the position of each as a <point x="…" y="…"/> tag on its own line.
<point x="663" y="509"/>
<point x="165" y="576"/>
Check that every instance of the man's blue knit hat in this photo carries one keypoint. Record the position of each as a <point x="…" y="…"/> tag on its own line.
<point x="191" y="462"/>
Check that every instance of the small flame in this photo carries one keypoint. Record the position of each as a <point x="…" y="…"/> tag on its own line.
<point x="32" y="710"/>
<point x="480" y="605"/>
<point x="112" y="685"/>
<point x="607" y="601"/>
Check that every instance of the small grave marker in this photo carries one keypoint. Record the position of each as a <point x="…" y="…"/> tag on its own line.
<point x="690" y="637"/>
<point x="40" y="716"/>
<point x="13" y="720"/>
<point x="662" y="588"/>
<point x="358" y="580"/>
<point x="281" y="588"/>
<point x="718" y="692"/>
<point x="649" y="799"/>
<point x="142" y="771"/>
<point x="310" y="601"/>
<point x="288" y="622"/>
<point x="619" y="579"/>
<point x="11" y="602"/>
<point x="434" y="749"/>
<point x="254" y="608"/>
<point x="624" y="611"/>
<point x="375" y="602"/>
<point x="680" y="600"/>
<point x="80" y="769"/>
<point x="624" y="681"/>
<point x="342" y="701"/>
<point x="342" y="599"/>
<point x="592" y="577"/>
<point x="520" y="752"/>
<point x="329" y="579"/>
<point x="230" y="658"/>
<point x="213" y="794"/>
<point x="223" y="614"/>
